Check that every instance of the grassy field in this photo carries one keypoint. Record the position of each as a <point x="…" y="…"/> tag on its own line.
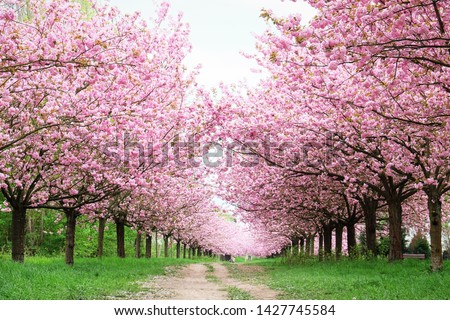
<point x="362" y="280"/>
<point x="90" y="278"/>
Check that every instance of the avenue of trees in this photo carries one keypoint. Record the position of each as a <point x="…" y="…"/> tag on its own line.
<point x="346" y="137"/>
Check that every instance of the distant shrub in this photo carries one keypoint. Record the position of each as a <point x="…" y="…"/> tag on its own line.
<point x="419" y="244"/>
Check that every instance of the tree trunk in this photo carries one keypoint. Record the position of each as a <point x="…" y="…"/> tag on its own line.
<point x="351" y="239"/>
<point x="120" y="233"/>
<point x="101" y="236"/>
<point x="308" y="246"/>
<point x="199" y="252"/>
<point x="138" y="244"/>
<point x="295" y="248"/>
<point x="311" y="249"/>
<point x="190" y="253"/>
<point x="369" y="207"/>
<point x="395" y="229"/>
<point x="321" y="246"/>
<point x="178" y="249"/>
<point x="71" y="223"/>
<point x="166" y="246"/>
<point x="156" y="244"/>
<point x="302" y="245"/>
<point x="435" y="215"/>
<point x="19" y="220"/>
<point x="184" y="250"/>
<point x="327" y="239"/>
<point x="338" y="242"/>
<point x="148" y="245"/>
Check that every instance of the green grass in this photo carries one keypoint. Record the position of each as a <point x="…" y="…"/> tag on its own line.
<point x="90" y="278"/>
<point x="210" y="274"/>
<point x="362" y="280"/>
<point x="235" y="293"/>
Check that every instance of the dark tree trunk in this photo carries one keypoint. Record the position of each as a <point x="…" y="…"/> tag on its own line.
<point x="338" y="242"/>
<point x="178" y="249"/>
<point x="120" y="234"/>
<point x="138" y="244"/>
<point x="166" y="246"/>
<point x="156" y="245"/>
<point x="395" y="229"/>
<point x="369" y="207"/>
<point x="321" y="246"/>
<point x="327" y="239"/>
<point x="435" y="215"/>
<point x="351" y="239"/>
<point x="19" y="221"/>
<point x="184" y="250"/>
<point x="148" y="246"/>
<point x="190" y="253"/>
<point x="101" y="236"/>
<point x="71" y="223"/>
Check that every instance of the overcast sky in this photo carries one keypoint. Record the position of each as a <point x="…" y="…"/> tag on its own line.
<point x="220" y="30"/>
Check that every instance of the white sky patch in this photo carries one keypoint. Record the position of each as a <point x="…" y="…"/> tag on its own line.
<point x="220" y="31"/>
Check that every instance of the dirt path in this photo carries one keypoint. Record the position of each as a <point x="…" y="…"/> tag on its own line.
<point x="257" y="291"/>
<point x="201" y="282"/>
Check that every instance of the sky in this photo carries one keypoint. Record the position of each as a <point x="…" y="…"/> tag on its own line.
<point x="220" y="31"/>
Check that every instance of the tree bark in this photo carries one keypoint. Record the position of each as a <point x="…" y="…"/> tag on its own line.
<point x="338" y="242"/>
<point x="351" y="239"/>
<point x="166" y="246"/>
<point x="120" y="234"/>
<point x="138" y="244"/>
<point x="327" y="239"/>
<point x="190" y="253"/>
<point x="308" y="246"/>
<point x="156" y="244"/>
<point x="101" y="236"/>
<point x="395" y="229"/>
<point x="435" y="215"/>
<point x="19" y="220"/>
<point x="148" y="246"/>
<point x="369" y="207"/>
<point x="302" y="245"/>
<point x="71" y="223"/>
<point x="313" y="239"/>
<point x="321" y="246"/>
<point x="184" y="250"/>
<point x="178" y="249"/>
